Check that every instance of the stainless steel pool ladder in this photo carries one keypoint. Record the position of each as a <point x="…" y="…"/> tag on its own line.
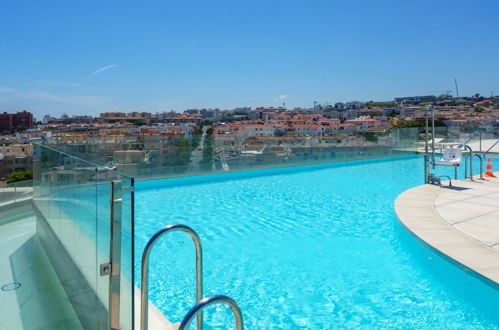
<point x="201" y="303"/>
<point x="470" y="156"/>
<point x="144" y="284"/>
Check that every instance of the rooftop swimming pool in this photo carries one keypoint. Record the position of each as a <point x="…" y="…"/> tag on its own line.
<point x="306" y="247"/>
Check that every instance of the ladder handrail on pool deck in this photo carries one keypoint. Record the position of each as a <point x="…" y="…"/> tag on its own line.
<point x="212" y="300"/>
<point x="145" y="271"/>
<point x="470" y="156"/>
<point x="466" y="166"/>
<point x="486" y="152"/>
<point x="201" y="303"/>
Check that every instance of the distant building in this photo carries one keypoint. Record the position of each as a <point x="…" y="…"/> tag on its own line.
<point x="242" y="110"/>
<point x="11" y="122"/>
<point x="266" y="112"/>
<point x="11" y="162"/>
<point x="15" y="157"/>
<point x="353" y="105"/>
<point x="339" y="106"/>
<point x="142" y="117"/>
<point x="47" y="119"/>
<point x="388" y="111"/>
<point x="65" y="119"/>
<point x="81" y="119"/>
<point x="164" y="115"/>
<point x="368" y="124"/>
<point x="185" y="118"/>
<point x="412" y="99"/>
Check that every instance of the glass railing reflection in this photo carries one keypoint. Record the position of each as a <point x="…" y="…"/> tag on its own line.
<point x="162" y="156"/>
<point x="16" y="192"/>
<point x="72" y="198"/>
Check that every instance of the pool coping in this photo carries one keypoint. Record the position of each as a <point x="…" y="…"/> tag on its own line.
<point x="416" y="210"/>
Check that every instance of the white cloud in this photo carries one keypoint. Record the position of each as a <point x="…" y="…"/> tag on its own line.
<point x="37" y="99"/>
<point x="281" y="98"/>
<point x="104" y="68"/>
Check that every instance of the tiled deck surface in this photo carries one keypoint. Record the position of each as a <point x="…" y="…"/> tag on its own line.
<point x="39" y="302"/>
<point x="461" y="221"/>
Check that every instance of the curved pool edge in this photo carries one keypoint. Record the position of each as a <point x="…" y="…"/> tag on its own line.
<point x="415" y="209"/>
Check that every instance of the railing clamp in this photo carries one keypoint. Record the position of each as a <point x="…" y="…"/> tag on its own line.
<point x="105" y="269"/>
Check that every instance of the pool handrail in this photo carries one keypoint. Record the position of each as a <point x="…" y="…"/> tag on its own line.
<point x="466" y="166"/>
<point x="486" y="152"/>
<point x="471" y="138"/>
<point x="208" y="301"/>
<point x="465" y="146"/>
<point x="145" y="271"/>
<point x="436" y="179"/>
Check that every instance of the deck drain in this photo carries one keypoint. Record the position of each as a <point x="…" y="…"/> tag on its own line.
<point x="11" y="286"/>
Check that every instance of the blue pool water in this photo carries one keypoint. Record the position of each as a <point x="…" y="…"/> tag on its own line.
<point x="313" y="247"/>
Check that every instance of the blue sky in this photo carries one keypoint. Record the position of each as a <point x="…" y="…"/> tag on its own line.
<point x="86" y="57"/>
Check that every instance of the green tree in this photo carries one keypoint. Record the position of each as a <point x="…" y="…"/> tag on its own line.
<point x="20" y="176"/>
<point x="207" y="151"/>
<point x="407" y="125"/>
<point x="369" y="136"/>
<point x="182" y="151"/>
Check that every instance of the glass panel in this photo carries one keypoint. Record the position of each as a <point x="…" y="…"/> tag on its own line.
<point x="162" y="156"/>
<point x="16" y="192"/>
<point x="73" y="198"/>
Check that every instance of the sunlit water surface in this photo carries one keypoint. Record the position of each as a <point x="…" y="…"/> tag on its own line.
<point x="306" y="247"/>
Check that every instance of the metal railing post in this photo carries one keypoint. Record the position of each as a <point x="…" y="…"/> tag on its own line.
<point x="426" y="168"/>
<point x="480" y="135"/>
<point x="466" y="167"/>
<point x="144" y="310"/>
<point x="115" y="254"/>
<point x="471" y="163"/>
<point x="426" y="156"/>
<point x="481" y="165"/>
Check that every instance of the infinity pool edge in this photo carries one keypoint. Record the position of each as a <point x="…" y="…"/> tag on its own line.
<point x="415" y="209"/>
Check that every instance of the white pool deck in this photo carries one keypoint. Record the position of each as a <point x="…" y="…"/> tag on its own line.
<point x="476" y="146"/>
<point x="15" y="195"/>
<point x="462" y="221"/>
<point x="40" y="302"/>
